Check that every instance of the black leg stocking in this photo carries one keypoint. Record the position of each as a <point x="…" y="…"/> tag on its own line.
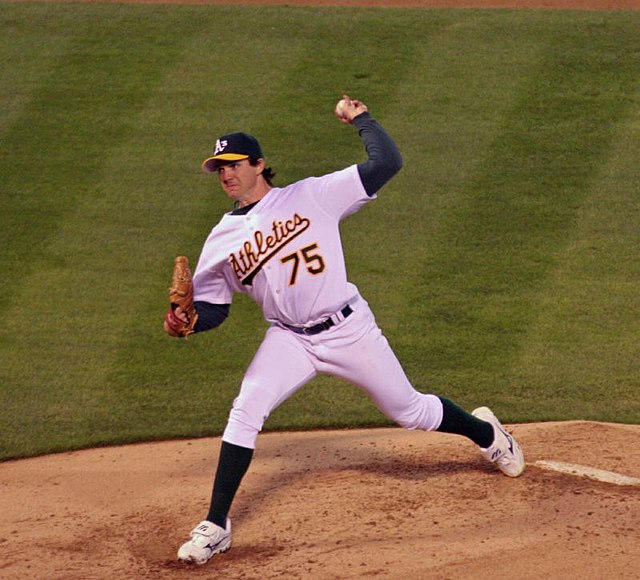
<point x="232" y="465"/>
<point x="457" y="420"/>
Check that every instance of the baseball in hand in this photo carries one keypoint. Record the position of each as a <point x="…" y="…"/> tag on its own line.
<point x="341" y="108"/>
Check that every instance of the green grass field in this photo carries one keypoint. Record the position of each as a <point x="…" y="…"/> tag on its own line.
<point x="502" y="262"/>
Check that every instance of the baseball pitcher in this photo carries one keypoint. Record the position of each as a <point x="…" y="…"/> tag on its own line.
<point x="282" y="246"/>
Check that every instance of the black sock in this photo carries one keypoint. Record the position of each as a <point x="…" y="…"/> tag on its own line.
<point x="458" y="421"/>
<point x="232" y="465"/>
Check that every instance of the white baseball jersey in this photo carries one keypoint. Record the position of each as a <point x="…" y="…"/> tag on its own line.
<point x="286" y="253"/>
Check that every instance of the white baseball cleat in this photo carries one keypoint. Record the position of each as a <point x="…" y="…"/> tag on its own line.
<point x="505" y="451"/>
<point x="207" y="540"/>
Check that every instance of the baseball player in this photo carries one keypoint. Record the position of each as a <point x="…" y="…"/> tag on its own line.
<point x="281" y="245"/>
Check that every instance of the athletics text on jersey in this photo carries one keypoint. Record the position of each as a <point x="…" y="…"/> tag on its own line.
<point x="286" y="253"/>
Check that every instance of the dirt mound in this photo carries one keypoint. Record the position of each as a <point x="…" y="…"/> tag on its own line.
<point x="382" y="503"/>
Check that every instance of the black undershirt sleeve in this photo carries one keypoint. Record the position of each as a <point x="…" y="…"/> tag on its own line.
<point x="210" y="315"/>
<point x="384" y="156"/>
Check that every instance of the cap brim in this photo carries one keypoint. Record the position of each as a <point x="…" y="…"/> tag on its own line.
<point x="210" y="164"/>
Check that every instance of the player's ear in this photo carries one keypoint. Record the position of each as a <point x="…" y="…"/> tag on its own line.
<point x="259" y="165"/>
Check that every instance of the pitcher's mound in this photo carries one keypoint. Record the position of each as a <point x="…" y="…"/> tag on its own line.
<point x="382" y="503"/>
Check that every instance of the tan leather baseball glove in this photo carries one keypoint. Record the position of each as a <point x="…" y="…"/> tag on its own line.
<point x="181" y="316"/>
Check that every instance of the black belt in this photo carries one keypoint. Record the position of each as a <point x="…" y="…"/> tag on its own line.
<point x="321" y="326"/>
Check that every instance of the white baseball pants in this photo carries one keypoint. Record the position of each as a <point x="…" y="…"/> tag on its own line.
<point x="354" y="350"/>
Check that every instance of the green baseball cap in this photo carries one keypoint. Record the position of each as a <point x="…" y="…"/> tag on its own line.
<point x="232" y="147"/>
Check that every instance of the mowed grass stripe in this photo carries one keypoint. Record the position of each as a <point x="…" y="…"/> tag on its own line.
<point x="21" y="74"/>
<point x="82" y="107"/>
<point x="520" y="209"/>
<point x="73" y="243"/>
<point x="445" y="117"/>
<point x="581" y="351"/>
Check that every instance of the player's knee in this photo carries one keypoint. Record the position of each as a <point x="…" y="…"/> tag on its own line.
<point x="248" y="413"/>
<point x="246" y="419"/>
<point x="424" y="413"/>
<point x="242" y="429"/>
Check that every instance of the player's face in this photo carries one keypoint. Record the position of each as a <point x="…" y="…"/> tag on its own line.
<point x="239" y="180"/>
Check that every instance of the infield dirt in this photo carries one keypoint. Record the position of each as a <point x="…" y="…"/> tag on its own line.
<point x="382" y="503"/>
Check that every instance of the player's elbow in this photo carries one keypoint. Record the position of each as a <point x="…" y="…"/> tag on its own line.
<point x="396" y="162"/>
